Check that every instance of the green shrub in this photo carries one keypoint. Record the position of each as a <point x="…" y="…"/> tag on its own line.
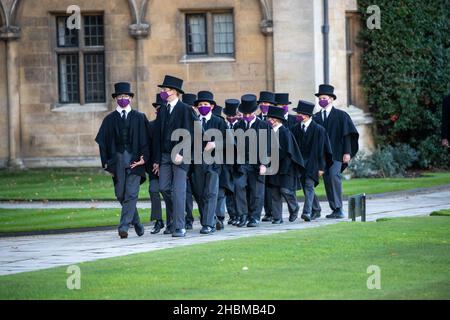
<point x="385" y="161"/>
<point x="406" y="73"/>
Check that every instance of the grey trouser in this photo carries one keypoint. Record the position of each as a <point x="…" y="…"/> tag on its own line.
<point x="172" y="184"/>
<point x="189" y="203"/>
<point x="278" y="194"/>
<point x="220" y="208"/>
<point x="231" y="206"/>
<point x="249" y="182"/>
<point x="311" y="204"/>
<point x="333" y="185"/>
<point x="126" y="188"/>
<point x="209" y="198"/>
<point x="155" y="199"/>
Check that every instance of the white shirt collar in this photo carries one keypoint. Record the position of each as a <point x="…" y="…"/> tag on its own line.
<point x="252" y="122"/>
<point x="173" y="103"/>
<point x="328" y="109"/>
<point x="127" y="110"/>
<point x="207" y="117"/>
<point x="232" y="123"/>
<point x="307" y="123"/>
<point x="278" y="126"/>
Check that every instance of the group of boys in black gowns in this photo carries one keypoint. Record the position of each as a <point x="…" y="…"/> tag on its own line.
<point x="308" y="146"/>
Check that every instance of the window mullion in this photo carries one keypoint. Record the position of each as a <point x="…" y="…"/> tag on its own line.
<point x="210" y="34"/>
<point x="81" y="64"/>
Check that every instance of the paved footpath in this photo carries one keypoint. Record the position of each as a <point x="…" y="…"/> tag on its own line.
<point x="28" y="253"/>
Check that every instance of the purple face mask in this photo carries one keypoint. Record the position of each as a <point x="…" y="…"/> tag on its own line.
<point x="164" y="95"/>
<point x="264" y="109"/>
<point x="285" y="108"/>
<point x="299" y="118"/>
<point x="204" y="110"/>
<point x="323" y="103"/>
<point x="232" y="119"/>
<point x="123" y="102"/>
<point x="249" y="119"/>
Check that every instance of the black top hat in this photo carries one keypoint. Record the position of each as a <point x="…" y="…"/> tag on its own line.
<point x="248" y="103"/>
<point x="204" y="96"/>
<point x="326" y="89"/>
<point x="276" y="112"/>
<point x="159" y="101"/>
<point x="189" y="98"/>
<point x="282" y="99"/>
<point x="217" y="111"/>
<point x="266" y="96"/>
<point x="172" y="83"/>
<point x="122" y="88"/>
<point x="231" y="106"/>
<point x="305" y="107"/>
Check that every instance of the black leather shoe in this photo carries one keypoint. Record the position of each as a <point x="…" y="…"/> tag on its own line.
<point x="277" y="221"/>
<point x="139" y="228"/>
<point x="168" y="230"/>
<point x="252" y="223"/>
<point x="242" y="221"/>
<point x="207" y="230"/>
<point x="188" y="225"/>
<point x="231" y="220"/>
<point x="157" y="227"/>
<point x="306" y="217"/>
<point x="220" y="225"/>
<point x="267" y="218"/>
<point x="178" y="233"/>
<point x="236" y="221"/>
<point x="293" y="217"/>
<point x="315" y="215"/>
<point x="337" y="214"/>
<point x="123" y="234"/>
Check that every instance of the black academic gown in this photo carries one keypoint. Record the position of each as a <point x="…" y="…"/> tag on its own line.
<point x="152" y="147"/>
<point x="257" y="125"/>
<point x="341" y="132"/>
<point x="315" y="148"/>
<point x="290" y="122"/>
<point x="109" y="133"/>
<point x="199" y="171"/>
<point x="182" y="117"/>
<point x="291" y="163"/>
<point x="226" y="175"/>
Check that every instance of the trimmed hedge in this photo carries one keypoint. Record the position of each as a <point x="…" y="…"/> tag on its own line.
<point x="406" y="73"/>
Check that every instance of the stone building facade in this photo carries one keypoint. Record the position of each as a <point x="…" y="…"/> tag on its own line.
<point x="56" y="82"/>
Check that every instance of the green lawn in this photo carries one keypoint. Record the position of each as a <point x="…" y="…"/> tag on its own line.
<point x="328" y="262"/>
<point x="16" y="220"/>
<point x="87" y="184"/>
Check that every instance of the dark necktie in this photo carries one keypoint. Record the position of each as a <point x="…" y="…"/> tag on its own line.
<point x="204" y="123"/>
<point x="124" y="115"/>
<point x="304" y="128"/>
